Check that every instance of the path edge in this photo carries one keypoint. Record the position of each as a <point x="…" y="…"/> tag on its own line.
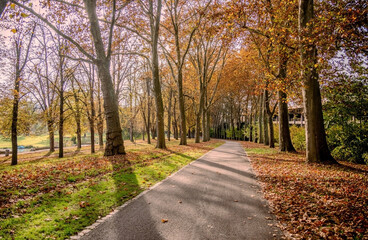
<point x="270" y="205"/>
<point x="89" y="228"/>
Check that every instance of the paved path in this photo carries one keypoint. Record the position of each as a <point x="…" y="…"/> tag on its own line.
<point x="215" y="197"/>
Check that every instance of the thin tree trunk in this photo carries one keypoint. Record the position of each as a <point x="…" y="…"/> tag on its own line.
<point x="50" y="129"/>
<point x="255" y="123"/>
<point x="175" y="124"/>
<point x="270" y="122"/>
<point x="183" y="122"/>
<point x="79" y="135"/>
<point x="198" y="123"/>
<point x="265" y="118"/>
<point x="100" y="120"/>
<point x="14" y="126"/>
<point x="208" y="126"/>
<point x="78" y="120"/>
<point x="148" y="85"/>
<point x="169" y="115"/>
<point x="272" y="133"/>
<point x="260" y="120"/>
<point x="250" y="127"/>
<point x="131" y="121"/>
<point x="204" y="122"/>
<point x="61" y="105"/>
<point x="93" y="111"/>
<point x="198" y="128"/>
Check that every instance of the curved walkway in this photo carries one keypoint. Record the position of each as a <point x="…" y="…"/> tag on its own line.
<point x="215" y="197"/>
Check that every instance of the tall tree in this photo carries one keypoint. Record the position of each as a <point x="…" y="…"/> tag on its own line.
<point x="155" y="17"/>
<point x="21" y="58"/>
<point x="114" y="139"/>
<point x="316" y="144"/>
<point x="182" y="31"/>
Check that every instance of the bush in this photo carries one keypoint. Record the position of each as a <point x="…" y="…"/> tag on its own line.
<point x="349" y="142"/>
<point x="345" y="114"/>
<point x="74" y="139"/>
<point x="297" y="135"/>
<point x="276" y="132"/>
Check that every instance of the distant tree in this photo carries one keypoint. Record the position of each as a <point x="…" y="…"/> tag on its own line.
<point x="21" y="46"/>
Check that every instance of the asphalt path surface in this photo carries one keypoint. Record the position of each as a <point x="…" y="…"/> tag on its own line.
<point x="214" y="197"/>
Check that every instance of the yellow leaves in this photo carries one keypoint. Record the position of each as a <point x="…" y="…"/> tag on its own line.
<point x="14" y="30"/>
<point x="12" y="6"/>
<point x="23" y="15"/>
<point x="164" y="220"/>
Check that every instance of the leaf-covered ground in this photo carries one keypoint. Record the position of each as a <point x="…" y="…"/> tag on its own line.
<point x="49" y="198"/>
<point x="313" y="201"/>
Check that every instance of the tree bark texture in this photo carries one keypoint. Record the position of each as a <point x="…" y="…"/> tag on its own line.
<point x="285" y="144"/>
<point x="316" y="144"/>
<point x="114" y="138"/>
<point x="155" y="28"/>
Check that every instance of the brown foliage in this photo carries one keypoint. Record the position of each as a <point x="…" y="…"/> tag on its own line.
<point x="314" y="201"/>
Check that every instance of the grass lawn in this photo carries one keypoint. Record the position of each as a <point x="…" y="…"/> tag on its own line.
<point x="35" y="141"/>
<point x="41" y="141"/>
<point x="313" y="201"/>
<point x="49" y="198"/>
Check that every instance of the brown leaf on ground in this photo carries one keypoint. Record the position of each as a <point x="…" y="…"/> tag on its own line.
<point x="313" y="201"/>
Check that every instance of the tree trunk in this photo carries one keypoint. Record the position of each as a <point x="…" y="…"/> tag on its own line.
<point x="316" y="144"/>
<point x="79" y="135"/>
<point x="250" y="127"/>
<point x="198" y="115"/>
<point x="61" y="106"/>
<point x="204" y="123"/>
<point x="272" y="133"/>
<point x="208" y="126"/>
<point x="114" y="138"/>
<point x="260" y="120"/>
<point x="14" y="125"/>
<point x="255" y="123"/>
<point x="265" y="118"/>
<point x="169" y="115"/>
<point x="131" y="132"/>
<point x="100" y="121"/>
<point x="93" y="111"/>
<point x="198" y="128"/>
<point x="175" y="124"/>
<point x="78" y="120"/>
<point x="155" y="28"/>
<point x="183" y="122"/>
<point x="50" y="129"/>
<point x="285" y="144"/>
<point x="148" y="85"/>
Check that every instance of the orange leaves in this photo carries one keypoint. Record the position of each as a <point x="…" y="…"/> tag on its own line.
<point x="312" y="200"/>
